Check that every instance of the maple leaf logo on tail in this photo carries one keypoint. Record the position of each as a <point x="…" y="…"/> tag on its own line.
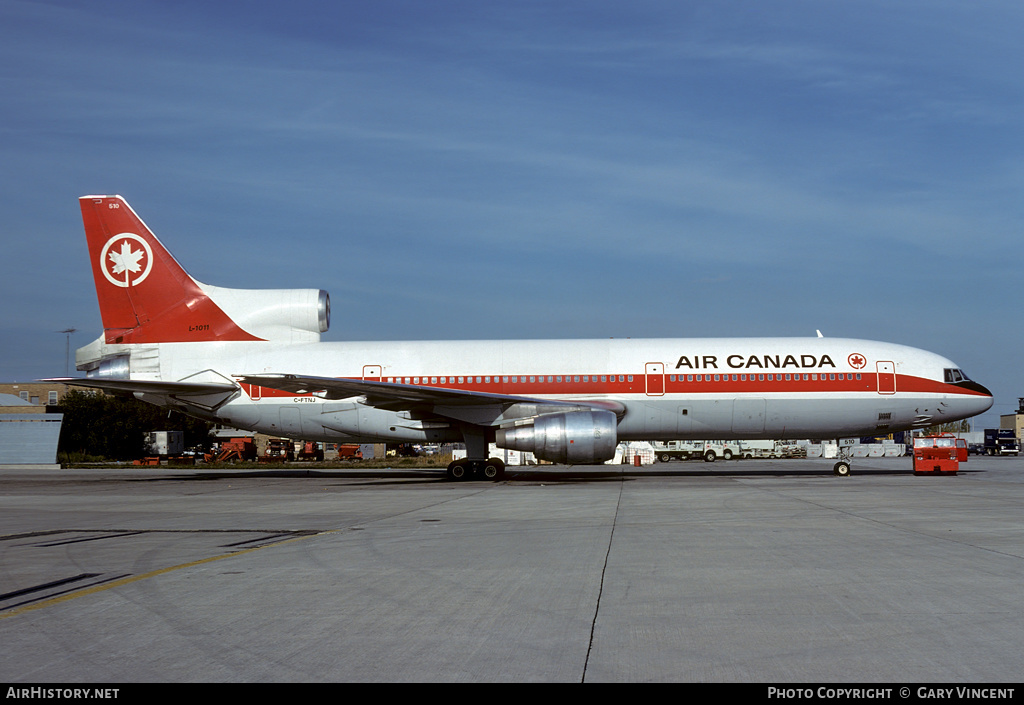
<point x="122" y="264"/>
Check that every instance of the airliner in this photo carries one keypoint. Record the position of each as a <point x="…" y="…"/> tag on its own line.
<point x="253" y="359"/>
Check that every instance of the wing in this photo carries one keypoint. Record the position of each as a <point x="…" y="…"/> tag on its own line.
<point x="476" y="407"/>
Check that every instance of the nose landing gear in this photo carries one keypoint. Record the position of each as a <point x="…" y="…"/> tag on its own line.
<point x="842" y="468"/>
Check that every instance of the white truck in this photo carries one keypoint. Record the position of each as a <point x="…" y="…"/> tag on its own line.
<point x="165" y="443"/>
<point x="710" y="451"/>
<point x="760" y="449"/>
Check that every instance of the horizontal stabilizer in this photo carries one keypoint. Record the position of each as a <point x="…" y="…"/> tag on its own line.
<point x="147" y="386"/>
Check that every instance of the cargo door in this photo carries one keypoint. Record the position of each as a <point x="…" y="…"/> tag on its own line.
<point x="748" y="416"/>
<point x="683" y="423"/>
<point x="654" y="373"/>
<point x="886" y="377"/>
<point x="372" y="372"/>
<point x="291" y="422"/>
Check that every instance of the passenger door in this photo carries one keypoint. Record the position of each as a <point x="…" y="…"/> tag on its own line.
<point x="886" y="377"/>
<point x="654" y="374"/>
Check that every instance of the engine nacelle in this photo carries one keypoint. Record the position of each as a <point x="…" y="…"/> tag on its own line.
<point x="573" y="438"/>
<point x="289" y="315"/>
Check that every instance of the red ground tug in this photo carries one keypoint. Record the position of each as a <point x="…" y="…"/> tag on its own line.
<point x="939" y="454"/>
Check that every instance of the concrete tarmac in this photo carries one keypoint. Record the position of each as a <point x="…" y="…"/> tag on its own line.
<point x="744" y="571"/>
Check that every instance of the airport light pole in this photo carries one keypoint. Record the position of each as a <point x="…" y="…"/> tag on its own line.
<point x="67" y="349"/>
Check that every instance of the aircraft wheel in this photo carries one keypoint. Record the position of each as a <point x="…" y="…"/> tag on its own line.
<point x="457" y="470"/>
<point x="842" y="469"/>
<point x="709" y="457"/>
<point x="494" y="469"/>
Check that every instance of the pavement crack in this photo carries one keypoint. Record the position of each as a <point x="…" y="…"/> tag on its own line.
<point x="600" y="589"/>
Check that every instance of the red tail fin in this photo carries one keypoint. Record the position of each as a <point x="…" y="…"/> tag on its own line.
<point x="145" y="296"/>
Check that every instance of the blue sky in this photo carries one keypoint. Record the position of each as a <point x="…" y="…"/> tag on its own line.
<point x="533" y="169"/>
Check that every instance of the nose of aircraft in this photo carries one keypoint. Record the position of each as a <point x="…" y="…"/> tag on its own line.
<point x="979" y="403"/>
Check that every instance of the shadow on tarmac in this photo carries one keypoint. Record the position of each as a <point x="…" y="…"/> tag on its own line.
<point x="513" y="474"/>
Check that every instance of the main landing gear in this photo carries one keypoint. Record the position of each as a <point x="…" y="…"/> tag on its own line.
<point x="466" y="469"/>
<point x="476" y="465"/>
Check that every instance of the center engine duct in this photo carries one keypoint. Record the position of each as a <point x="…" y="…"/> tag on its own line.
<point x="291" y="315"/>
<point x="572" y="438"/>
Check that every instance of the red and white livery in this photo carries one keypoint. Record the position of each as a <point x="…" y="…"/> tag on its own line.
<point x="253" y="359"/>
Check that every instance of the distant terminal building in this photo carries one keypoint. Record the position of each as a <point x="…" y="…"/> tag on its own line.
<point x="36" y="395"/>
<point x="29" y="428"/>
<point x="1015" y="421"/>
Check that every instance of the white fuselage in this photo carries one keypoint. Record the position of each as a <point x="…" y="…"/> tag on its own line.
<point x="670" y="388"/>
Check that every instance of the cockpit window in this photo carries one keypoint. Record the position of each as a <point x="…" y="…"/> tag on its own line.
<point x="954" y="375"/>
